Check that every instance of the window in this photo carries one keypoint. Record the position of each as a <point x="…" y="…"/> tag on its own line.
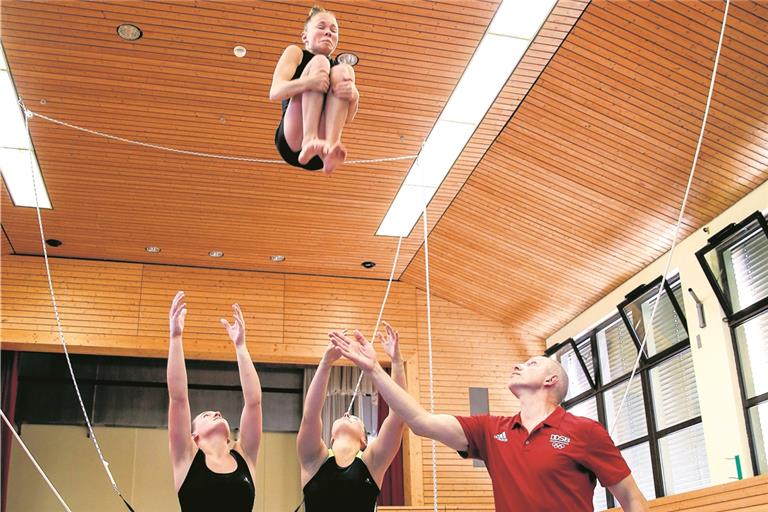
<point x="659" y="431"/>
<point x="735" y="261"/>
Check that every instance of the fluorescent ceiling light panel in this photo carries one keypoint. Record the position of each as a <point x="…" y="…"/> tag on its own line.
<point x="14" y="164"/>
<point x="405" y="210"/>
<point x="494" y="60"/>
<point x="443" y="146"/>
<point x="511" y="31"/>
<point x="13" y="131"/>
<point x="520" y="18"/>
<point x="16" y="147"/>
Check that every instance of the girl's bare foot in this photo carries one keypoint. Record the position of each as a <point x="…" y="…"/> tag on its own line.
<point x="333" y="158"/>
<point x="311" y="148"/>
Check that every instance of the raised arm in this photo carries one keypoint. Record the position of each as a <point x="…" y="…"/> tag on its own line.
<point x="440" y="427"/>
<point x="250" y="420"/>
<point x="309" y="442"/>
<point x="383" y="449"/>
<point x="629" y="495"/>
<point x="179" y="418"/>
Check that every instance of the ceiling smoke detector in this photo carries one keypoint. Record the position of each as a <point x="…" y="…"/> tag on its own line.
<point x="277" y="258"/>
<point x="216" y="254"/>
<point x="152" y="249"/>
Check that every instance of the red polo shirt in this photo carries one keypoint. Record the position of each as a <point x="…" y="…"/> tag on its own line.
<point x="551" y="469"/>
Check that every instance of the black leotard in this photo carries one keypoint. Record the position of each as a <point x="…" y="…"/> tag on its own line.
<point x="290" y="156"/>
<point x="349" y="489"/>
<point x="204" y="491"/>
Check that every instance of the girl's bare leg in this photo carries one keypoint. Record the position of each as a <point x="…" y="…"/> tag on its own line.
<point x="312" y="108"/>
<point x="336" y="110"/>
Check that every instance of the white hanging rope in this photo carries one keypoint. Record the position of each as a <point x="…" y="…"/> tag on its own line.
<point x="679" y="219"/>
<point x="34" y="462"/>
<point x="30" y="113"/>
<point x="91" y="433"/>
<point x="378" y="321"/>
<point x="429" y="354"/>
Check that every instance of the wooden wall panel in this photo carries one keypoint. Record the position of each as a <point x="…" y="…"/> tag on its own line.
<point x="117" y="308"/>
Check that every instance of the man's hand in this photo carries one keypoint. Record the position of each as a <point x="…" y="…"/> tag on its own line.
<point x="391" y="343"/>
<point x="236" y="331"/>
<point x="358" y="350"/>
<point x="176" y="315"/>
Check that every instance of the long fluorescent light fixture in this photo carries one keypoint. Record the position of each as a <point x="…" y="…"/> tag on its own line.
<point x="511" y="31"/>
<point x="16" y="147"/>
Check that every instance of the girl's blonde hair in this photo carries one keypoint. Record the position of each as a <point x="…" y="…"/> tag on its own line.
<point x="316" y="9"/>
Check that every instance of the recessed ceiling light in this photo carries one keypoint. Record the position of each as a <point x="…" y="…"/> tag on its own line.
<point x="53" y="242"/>
<point x="277" y="257"/>
<point x="239" y="51"/>
<point x="347" y="58"/>
<point x="216" y="254"/>
<point x="129" y="32"/>
<point x="368" y="264"/>
<point x="153" y="249"/>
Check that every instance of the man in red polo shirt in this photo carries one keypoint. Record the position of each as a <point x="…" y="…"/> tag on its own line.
<point x="543" y="459"/>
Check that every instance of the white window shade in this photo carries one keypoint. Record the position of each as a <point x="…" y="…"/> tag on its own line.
<point x="639" y="461"/>
<point x="617" y="351"/>
<point x="631" y="423"/>
<point x="587" y="409"/>
<point x="758" y="420"/>
<point x="684" y="460"/>
<point x="675" y="396"/>
<point x="752" y="342"/>
<point x="747" y="266"/>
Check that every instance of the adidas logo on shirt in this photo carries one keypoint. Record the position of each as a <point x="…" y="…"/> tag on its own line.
<point x="501" y="437"/>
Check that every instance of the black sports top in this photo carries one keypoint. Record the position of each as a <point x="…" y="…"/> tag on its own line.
<point x="203" y="490"/>
<point x="306" y="56"/>
<point x="349" y="489"/>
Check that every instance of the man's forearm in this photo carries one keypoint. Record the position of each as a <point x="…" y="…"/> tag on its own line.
<point x="249" y="378"/>
<point x="398" y="399"/>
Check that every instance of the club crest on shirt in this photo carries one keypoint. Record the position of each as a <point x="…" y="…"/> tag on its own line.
<point x="559" y="442"/>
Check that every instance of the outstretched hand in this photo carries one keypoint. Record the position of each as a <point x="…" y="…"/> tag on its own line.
<point x="177" y="314"/>
<point x="236" y="331"/>
<point x="357" y="349"/>
<point x="332" y="354"/>
<point x="391" y="343"/>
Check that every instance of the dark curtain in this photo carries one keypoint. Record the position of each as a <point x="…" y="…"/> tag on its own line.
<point x="9" y="361"/>
<point x="392" y="493"/>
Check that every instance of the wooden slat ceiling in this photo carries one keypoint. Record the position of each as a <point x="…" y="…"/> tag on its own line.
<point x="569" y="185"/>
<point x="582" y="189"/>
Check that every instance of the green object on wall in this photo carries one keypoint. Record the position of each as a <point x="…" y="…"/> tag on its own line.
<point x="739" y="474"/>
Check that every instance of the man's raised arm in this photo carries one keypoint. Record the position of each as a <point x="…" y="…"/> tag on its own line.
<point x="440" y="427"/>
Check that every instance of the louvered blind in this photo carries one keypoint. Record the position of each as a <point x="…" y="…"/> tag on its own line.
<point x="639" y="461"/>
<point x="758" y="419"/>
<point x="668" y="328"/>
<point x="684" y="460"/>
<point x="749" y="263"/>
<point x="675" y="395"/>
<point x="587" y="408"/>
<point x="617" y="351"/>
<point x="577" y="380"/>
<point x="631" y="423"/>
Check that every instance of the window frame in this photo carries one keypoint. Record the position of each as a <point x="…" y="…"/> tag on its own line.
<point x="735" y="319"/>
<point x="653" y="436"/>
